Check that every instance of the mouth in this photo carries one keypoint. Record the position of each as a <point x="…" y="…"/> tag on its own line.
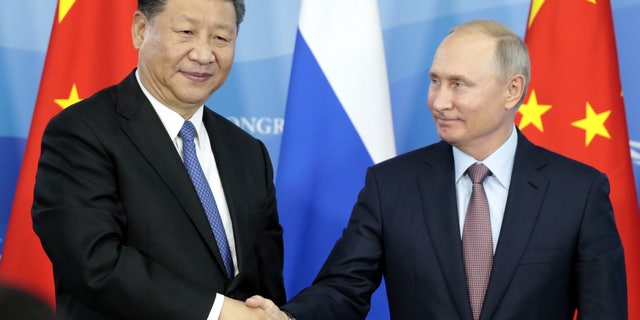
<point x="197" y="76"/>
<point x="444" y="121"/>
<point x="441" y="117"/>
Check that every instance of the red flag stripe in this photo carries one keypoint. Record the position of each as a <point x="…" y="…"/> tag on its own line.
<point x="90" y="47"/>
<point x="575" y="71"/>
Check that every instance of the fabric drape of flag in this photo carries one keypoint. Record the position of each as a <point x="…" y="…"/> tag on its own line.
<point x="575" y="106"/>
<point x="337" y="123"/>
<point x="90" y="48"/>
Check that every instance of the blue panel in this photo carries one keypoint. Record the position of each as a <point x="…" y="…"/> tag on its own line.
<point x="10" y="161"/>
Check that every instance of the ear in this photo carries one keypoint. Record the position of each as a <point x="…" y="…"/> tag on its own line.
<point x="139" y="29"/>
<point x="514" y="91"/>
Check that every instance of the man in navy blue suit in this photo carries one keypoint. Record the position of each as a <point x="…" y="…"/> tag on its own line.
<point x="553" y="247"/>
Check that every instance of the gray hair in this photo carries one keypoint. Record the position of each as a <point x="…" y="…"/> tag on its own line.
<point x="511" y="56"/>
<point x="152" y="7"/>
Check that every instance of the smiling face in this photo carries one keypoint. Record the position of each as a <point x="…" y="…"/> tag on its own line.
<point x="185" y="52"/>
<point x="472" y="108"/>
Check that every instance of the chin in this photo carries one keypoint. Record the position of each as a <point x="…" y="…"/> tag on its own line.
<point x="446" y="133"/>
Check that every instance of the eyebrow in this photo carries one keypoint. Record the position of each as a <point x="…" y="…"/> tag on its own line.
<point x="192" y="20"/>
<point x="452" y="77"/>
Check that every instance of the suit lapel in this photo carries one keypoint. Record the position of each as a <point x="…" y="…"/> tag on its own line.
<point x="228" y="168"/>
<point x="145" y="130"/>
<point x="526" y="194"/>
<point x="440" y="211"/>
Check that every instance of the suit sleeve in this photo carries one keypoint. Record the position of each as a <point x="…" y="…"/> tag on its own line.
<point x="270" y="249"/>
<point x="600" y="267"/>
<point x="353" y="270"/>
<point x="82" y="226"/>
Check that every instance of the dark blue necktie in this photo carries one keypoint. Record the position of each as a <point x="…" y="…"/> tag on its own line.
<point x="187" y="132"/>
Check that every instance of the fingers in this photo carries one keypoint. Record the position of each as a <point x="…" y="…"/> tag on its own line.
<point x="259" y="302"/>
<point x="266" y="305"/>
<point x="234" y="310"/>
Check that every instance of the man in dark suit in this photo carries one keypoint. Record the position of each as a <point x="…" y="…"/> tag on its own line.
<point x="130" y="235"/>
<point x="18" y="304"/>
<point x="547" y="243"/>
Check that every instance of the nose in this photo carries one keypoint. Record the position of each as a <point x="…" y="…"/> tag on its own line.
<point x="439" y="99"/>
<point x="202" y="52"/>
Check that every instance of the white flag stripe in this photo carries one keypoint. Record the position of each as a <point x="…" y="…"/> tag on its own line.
<point x="346" y="40"/>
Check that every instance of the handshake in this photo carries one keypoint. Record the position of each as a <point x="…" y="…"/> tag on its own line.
<point x="254" y="308"/>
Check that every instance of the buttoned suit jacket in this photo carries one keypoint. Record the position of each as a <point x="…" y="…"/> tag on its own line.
<point x="119" y="217"/>
<point x="558" y="248"/>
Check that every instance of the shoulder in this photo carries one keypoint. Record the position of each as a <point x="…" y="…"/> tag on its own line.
<point x="556" y="168"/>
<point x="437" y="155"/>
<point x="103" y="104"/>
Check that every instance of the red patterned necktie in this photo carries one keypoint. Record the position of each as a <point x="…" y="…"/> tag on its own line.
<point x="476" y="240"/>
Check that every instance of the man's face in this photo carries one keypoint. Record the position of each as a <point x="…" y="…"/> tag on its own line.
<point x="467" y="100"/>
<point x="186" y="51"/>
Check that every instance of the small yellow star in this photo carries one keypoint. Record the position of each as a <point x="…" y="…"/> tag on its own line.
<point x="63" y="8"/>
<point x="73" y="98"/>
<point x="532" y="112"/>
<point x="593" y="124"/>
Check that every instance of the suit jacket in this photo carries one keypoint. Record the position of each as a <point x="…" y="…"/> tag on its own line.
<point x="119" y="217"/>
<point x="558" y="248"/>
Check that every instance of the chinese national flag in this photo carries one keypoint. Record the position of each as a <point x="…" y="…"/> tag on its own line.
<point x="574" y="106"/>
<point x="90" y="48"/>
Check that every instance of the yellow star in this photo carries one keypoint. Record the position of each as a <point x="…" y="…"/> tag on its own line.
<point x="593" y="124"/>
<point x="532" y="112"/>
<point x="63" y="8"/>
<point x="73" y="98"/>
<point x="535" y="8"/>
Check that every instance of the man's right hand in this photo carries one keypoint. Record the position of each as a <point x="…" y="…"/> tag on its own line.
<point x="266" y="305"/>
<point x="237" y="310"/>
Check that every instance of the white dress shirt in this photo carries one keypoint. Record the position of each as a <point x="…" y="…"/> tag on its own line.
<point x="496" y="186"/>
<point x="173" y="122"/>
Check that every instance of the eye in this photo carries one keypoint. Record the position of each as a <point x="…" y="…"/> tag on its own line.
<point x="220" y="38"/>
<point x="186" y="32"/>
<point x="435" y="81"/>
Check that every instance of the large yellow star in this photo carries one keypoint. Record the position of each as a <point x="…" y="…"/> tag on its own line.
<point x="532" y="112"/>
<point x="63" y="8"/>
<point x="535" y="8"/>
<point x="73" y="98"/>
<point x="593" y="124"/>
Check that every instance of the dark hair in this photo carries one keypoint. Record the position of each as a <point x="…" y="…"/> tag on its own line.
<point x="152" y="7"/>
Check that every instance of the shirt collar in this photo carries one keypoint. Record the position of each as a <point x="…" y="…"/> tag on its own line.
<point x="500" y="162"/>
<point x="171" y="120"/>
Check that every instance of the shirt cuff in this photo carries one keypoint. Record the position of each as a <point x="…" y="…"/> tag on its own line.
<point x="217" y="307"/>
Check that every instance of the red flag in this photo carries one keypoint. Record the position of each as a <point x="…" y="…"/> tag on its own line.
<point x="575" y="106"/>
<point x="90" y="48"/>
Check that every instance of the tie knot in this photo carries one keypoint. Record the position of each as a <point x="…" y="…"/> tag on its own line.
<point x="187" y="132"/>
<point x="477" y="172"/>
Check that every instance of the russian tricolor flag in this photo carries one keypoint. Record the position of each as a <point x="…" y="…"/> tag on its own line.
<point x="337" y="123"/>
